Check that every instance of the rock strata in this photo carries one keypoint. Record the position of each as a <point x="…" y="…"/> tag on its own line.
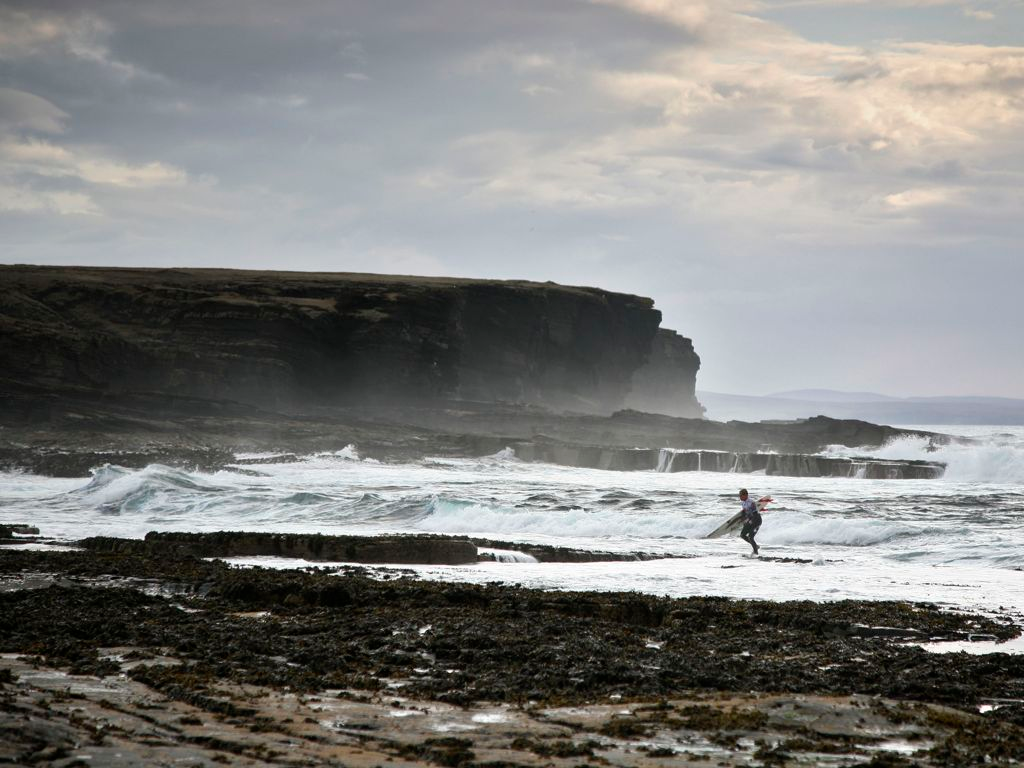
<point x="799" y="465"/>
<point x="665" y="460"/>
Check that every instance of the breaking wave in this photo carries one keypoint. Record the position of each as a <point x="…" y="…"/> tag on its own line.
<point x="451" y="516"/>
<point x="804" y="529"/>
<point x="456" y="517"/>
<point x="117" y="489"/>
<point x="163" y="495"/>
<point x="994" y="459"/>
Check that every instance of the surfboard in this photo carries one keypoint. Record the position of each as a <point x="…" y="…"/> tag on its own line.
<point x="735" y="522"/>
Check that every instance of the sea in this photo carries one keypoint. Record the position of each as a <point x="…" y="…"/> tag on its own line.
<point x="957" y="541"/>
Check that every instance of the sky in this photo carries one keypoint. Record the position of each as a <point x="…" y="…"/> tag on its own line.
<point x="820" y="193"/>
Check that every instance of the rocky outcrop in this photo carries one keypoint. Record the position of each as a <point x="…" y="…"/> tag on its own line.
<point x="667" y="460"/>
<point x="491" y="549"/>
<point x="485" y="428"/>
<point x="798" y="465"/>
<point x="404" y="550"/>
<point x="296" y="342"/>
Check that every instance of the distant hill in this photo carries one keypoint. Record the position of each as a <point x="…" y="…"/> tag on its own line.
<point x="869" y="406"/>
<point x="832" y="396"/>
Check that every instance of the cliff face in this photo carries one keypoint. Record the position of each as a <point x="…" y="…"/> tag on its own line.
<point x="296" y="341"/>
<point x="666" y="382"/>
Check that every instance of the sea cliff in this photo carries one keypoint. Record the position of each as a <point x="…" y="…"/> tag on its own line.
<point x="295" y="342"/>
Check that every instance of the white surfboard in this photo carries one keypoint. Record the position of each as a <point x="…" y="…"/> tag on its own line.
<point x="735" y="522"/>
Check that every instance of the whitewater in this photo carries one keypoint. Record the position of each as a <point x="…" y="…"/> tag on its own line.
<point x="957" y="541"/>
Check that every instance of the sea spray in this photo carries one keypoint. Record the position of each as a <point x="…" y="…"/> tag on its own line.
<point x="994" y="458"/>
<point x="506" y="555"/>
<point x="860" y="528"/>
<point x="458" y="516"/>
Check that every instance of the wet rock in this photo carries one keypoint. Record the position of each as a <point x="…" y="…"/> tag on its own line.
<point x="858" y="630"/>
<point x="71" y="462"/>
<point x="544" y="553"/>
<point x="463" y="643"/>
<point x="412" y="549"/>
<point x="21" y="529"/>
<point x="665" y="460"/>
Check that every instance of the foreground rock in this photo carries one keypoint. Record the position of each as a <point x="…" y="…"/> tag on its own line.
<point x="395" y="550"/>
<point x="315" y="668"/>
<point x="47" y="716"/>
<point x="461" y="643"/>
<point x="411" y="549"/>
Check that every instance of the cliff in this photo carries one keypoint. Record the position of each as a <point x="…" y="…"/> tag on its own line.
<point x="666" y="382"/>
<point x="298" y="342"/>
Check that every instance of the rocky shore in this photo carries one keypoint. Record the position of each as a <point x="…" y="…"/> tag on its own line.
<point x="151" y="656"/>
<point x="80" y="438"/>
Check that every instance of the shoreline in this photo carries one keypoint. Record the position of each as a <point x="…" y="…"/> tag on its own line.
<point x="203" y="636"/>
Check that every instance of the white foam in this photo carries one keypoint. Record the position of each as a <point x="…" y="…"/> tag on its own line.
<point x="990" y="459"/>
<point x="505" y="454"/>
<point x="348" y="453"/>
<point x="803" y="529"/>
<point x="956" y="543"/>
<point x="467" y="518"/>
<point x="506" y="555"/>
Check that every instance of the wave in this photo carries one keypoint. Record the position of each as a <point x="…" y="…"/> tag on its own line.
<point x="116" y="489"/>
<point x="348" y="453"/>
<point x="804" y="529"/>
<point x="506" y="555"/>
<point x="992" y="460"/>
<point x="462" y="517"/>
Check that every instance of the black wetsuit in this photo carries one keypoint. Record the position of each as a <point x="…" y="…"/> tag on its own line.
<point x="751" y="523"/>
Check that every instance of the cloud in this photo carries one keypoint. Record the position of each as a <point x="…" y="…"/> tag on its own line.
<point x="980" y="15"/>
<point x="916" y="198"/>
<point x="805" y="163"/>
<point x="21" y="111"/>
<point x="691" y="15"/>
<point x="21" y="200"/>
<point x="81" y="35"/>
<point x="881" y="4"/>
<point x="537" y="89"/>
<point x="46" y="159"/>
<point x="759" y="124"/>
<point x="23" y="33"/>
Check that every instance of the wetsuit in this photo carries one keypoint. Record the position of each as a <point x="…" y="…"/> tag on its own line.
<point x="751" y="523"/>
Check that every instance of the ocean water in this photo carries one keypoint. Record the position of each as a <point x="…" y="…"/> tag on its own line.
<point x="957" y="541"/>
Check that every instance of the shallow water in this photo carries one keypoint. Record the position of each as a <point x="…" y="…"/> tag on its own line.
<point x="955" y="541"/>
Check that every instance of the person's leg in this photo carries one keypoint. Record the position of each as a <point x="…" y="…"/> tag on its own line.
<point x="753" y="533"/>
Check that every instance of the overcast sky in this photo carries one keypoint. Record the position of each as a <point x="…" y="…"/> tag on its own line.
<point x="821" y="193"/>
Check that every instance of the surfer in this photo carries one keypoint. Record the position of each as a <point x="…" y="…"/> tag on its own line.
<point x="751" y="519"/>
